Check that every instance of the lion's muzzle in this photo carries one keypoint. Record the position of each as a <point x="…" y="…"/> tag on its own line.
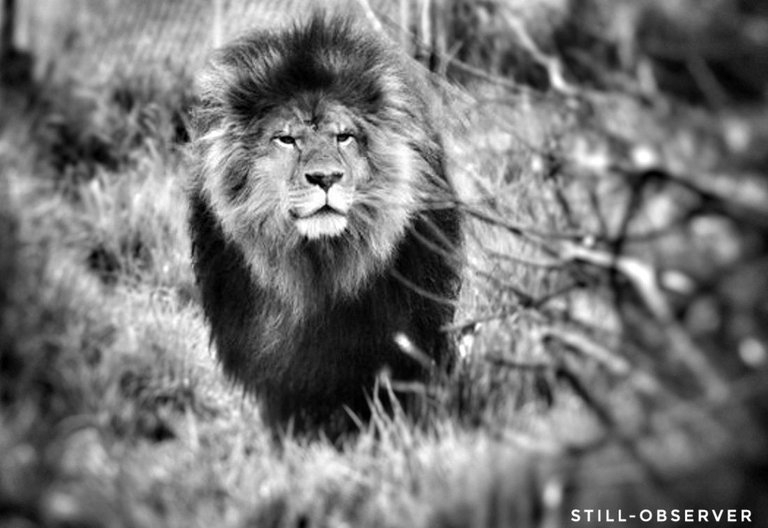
<point x="326" y="222"/>
<point x="321" y="211"/>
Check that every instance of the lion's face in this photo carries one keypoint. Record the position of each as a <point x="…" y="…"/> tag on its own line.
<point x="315" y="157"/>
<point x="310" y="178"/>
<point x="318" y="162"/>
<point x="312" y="170"/>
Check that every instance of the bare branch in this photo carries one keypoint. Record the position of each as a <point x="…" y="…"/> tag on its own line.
<point x="645" y="280"/>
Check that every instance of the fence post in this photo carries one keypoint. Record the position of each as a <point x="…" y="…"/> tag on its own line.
<point x="7" y="30"/>
<point x="405" y="26"/>
<point x="216" y="30"/>
<point x="16" y="66"/>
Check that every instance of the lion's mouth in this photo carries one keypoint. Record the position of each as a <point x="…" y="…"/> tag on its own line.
<point x="323" y="222"/>
<point x="318" y="210"/>
<point x="328" y="209"/>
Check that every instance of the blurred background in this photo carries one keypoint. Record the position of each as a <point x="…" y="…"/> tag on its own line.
<point x="610" y="159"/>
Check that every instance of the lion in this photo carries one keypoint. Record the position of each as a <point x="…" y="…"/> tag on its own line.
<point x="325" y="233"/>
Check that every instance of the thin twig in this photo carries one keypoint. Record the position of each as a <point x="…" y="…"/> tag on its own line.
<point x="524" y="231"/>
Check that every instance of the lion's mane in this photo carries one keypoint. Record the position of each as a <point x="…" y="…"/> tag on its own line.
<point x="307" y="324"/>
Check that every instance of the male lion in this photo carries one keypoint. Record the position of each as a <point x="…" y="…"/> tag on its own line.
<point x="325" y="239"/>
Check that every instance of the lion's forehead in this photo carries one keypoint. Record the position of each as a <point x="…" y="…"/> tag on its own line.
<point x="311" y="116"/>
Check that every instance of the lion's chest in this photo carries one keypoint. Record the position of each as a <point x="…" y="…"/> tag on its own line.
<point x="356" y="339"/>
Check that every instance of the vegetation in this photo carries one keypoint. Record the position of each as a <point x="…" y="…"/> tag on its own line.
<point x="609" y="159"/>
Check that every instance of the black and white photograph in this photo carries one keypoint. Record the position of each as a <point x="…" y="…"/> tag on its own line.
<point x="383" y="263"/>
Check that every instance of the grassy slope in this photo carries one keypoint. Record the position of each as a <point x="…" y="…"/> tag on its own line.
<point x="119" y="414"/>
<point x="116" y="411"/>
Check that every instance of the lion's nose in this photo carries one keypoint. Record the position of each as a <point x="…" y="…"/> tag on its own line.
<point x="324" y="180"/>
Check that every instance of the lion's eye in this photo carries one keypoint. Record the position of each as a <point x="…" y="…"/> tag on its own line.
<point x="344" y="138"/>
<point x="286" y="140"/>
